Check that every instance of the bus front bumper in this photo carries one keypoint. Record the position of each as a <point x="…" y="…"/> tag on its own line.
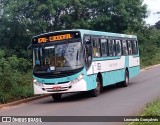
<point x="41" y="88"/>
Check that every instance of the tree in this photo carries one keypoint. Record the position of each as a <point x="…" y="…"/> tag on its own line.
<point x="23" y="19"/>
<point x="157" y="25"/>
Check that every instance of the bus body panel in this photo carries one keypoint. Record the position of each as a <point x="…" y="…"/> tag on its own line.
<point x="134" y="71"/>
<point x="134" y="66"/>
<point x="104" y="64"/>
<point x="91" y="81"/>
<point x="112" y="69"/>
<point x="112" y="77"/>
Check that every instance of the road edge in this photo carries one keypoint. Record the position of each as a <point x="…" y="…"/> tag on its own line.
<point x="43" y="96"/>
<point x="149" y="67"/>
<point x="23" y="101"/>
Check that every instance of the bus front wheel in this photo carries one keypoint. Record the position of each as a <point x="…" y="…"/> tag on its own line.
<point x="56" y="97"/>
<point x="96" y="92"/>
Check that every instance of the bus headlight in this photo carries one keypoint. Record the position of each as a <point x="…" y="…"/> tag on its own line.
<point x="37" y="83"/>
<point x="77" y="79"/>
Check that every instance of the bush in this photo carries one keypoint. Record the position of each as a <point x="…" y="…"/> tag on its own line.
<point x="4" y="97"/>
<point x="16" y="78"/>
<point x="149" y="44"/>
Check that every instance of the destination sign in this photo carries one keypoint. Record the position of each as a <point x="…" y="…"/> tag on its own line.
<point x="53" y="37"/>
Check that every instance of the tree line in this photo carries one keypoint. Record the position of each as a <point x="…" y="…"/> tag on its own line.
<point x="22" y="19"/>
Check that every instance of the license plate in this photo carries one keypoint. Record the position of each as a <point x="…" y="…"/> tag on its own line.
<point x="57" y="88"/>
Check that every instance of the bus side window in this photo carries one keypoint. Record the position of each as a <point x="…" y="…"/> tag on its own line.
<point x="114" y="48"/>
<point x="124" y="48"/>
<point x="118" y="47"/>
<point x="104" y="50"/>
<point x="96" y="47"/>
<point x="134" y="47"/>
<point x="129" y="48"/>
<point x="107" y="48"/>
<point x="110" y="48"/>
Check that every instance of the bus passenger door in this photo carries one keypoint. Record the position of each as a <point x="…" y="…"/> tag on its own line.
<point x="88" y="51"/>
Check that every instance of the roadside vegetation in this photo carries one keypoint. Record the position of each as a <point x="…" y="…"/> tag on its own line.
<point x="20" y="20"/>
<point x="15" y="78"/>
<point x="152" y="109"/>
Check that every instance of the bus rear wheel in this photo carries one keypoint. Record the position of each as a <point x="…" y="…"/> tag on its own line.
<point x="96" y="92"/>
<point x="126" y="79"/>
<point x="56" y="97"/>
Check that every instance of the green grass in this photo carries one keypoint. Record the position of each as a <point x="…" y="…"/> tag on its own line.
<point x="152" y="109"/>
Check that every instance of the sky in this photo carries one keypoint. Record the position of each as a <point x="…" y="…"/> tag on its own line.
<point x="153" y="7"/>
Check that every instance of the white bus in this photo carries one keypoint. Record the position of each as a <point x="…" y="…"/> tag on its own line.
<point x="82" y="60"/>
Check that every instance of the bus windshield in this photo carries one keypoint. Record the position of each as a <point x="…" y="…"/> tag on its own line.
<point x="57" y="57"/>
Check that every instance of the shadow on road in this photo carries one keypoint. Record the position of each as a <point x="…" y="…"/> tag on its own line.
<point x="79" y="96"/>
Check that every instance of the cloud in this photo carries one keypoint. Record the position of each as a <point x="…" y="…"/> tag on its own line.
<point x="153" y="5"/>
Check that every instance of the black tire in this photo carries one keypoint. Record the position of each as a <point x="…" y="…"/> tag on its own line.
<point x="96" y="92"/>
<point x="56" y="97"/>
<point x="126" y="79"/>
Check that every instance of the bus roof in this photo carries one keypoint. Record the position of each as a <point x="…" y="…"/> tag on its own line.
<point x="92" y="32"/>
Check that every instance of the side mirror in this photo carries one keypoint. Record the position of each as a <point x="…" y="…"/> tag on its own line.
<point x="29" y="47"/>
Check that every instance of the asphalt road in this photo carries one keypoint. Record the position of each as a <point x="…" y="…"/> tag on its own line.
<point x="114" y="101"/>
